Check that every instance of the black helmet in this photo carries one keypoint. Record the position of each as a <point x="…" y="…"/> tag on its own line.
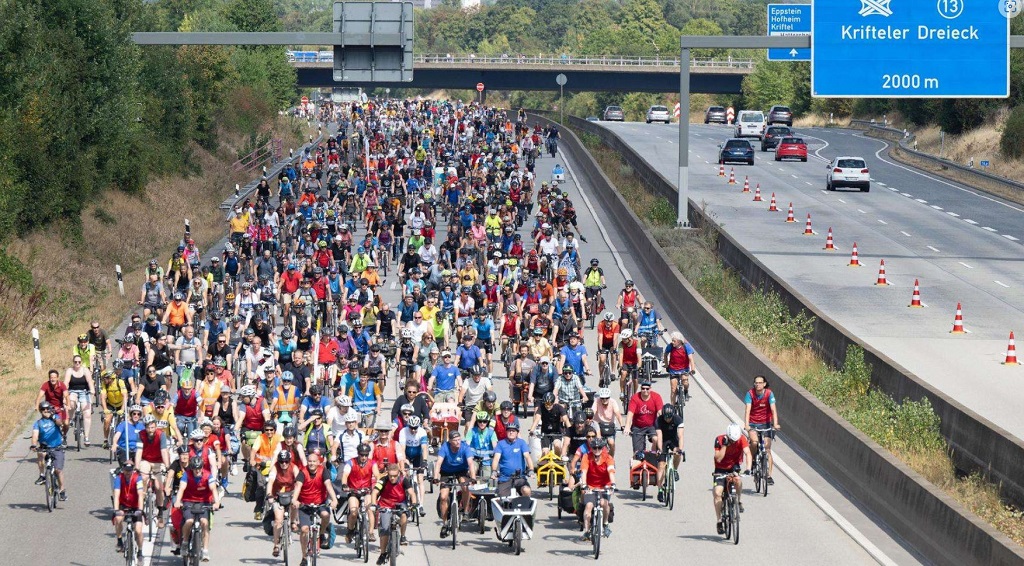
<point x="668" y="411"/>
<point x="598" y="444"/>
<point x="363" y="449"/>
<point x="578" y="419"/>
<point x="284" y="457"/>
<point x="315" y="390"/>
<point x="594" y="261"/>
<point x="588" y="413"/>
<point x="490" y="397"/>
<point x="196" y="464"/>
<point x="549" y="397"/>
<point x="289" y="432"/>
<point x="506" y="405"/>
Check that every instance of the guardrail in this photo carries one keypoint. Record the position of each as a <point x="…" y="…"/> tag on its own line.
<point x="569" y="60"/>
<point x="905" y="140"/>
<point x="936" y="525"/>
<point x="265" y="154"/>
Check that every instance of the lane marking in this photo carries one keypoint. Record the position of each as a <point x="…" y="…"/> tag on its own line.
<point x="990" y="229"/>
<point x="936" y="207"/>
<point x="969" y="221"/>
<point x="861" y="211"/>
<point x="791" y="175"/>
<point x="921" y="200"/>
<point x="953" y="214"/>
<point x="905" y="234"/>
<point x="881" y="183"/>
<point x="841" y="200"/>
<point x="809" y="183"/>
<point x="880" y="221"/>
<point x="908" y="195"/>
<point x="394" y="285"/>
<point x="1003" y="284"/>
<point x="965" y="265"/>
<point x="1011" y="238"/>
<point x="894" y="189"/>
<point x="934" y="249"/>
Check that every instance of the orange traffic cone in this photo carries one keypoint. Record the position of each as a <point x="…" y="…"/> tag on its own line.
<point x="1011" y="353"/>
<point x="771" y="205"/>
<point x="746" y="183"/>
<point x="732" y="175"/>
<point x="807" y="227"/>
<point x="829" y="244"/>
<point x="757" y="193"/>
<point x="854" y="260"/>
<point x="915" y="301"/>
<point x="881" y="274"/>
<point x="958" y="322"/>
<point x="789" y="217"/>
<point x="721" y="170"/>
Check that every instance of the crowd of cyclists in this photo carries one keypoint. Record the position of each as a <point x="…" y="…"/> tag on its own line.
<point x="271" y="361"/>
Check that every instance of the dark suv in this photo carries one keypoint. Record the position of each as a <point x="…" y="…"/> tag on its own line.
<point x="780" y="115"/>
<point x="715" y="114"/>
<point x="772" y="136"/>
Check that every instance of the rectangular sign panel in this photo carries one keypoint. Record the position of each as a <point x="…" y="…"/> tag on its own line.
<point x="789" y="19"/>
<point x="909" y="49"/>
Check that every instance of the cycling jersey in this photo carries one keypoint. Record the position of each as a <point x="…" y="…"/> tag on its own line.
<point x="760" y="407"/>
<point x="115" y="393"/>
<point x="593" y="277"/>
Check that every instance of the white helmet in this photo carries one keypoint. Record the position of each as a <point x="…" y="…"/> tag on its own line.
<point x="626" y="334"/>
<point x="609" y="316"/>
<point x="406" y="333"/>
<point x="247" y="391"/>
<point x="351" y="417"/>
<point x="604" y="393"/>
<point x="197" y="434"/>
<point x="343" y="400"/>
<point x="734" y="432"/>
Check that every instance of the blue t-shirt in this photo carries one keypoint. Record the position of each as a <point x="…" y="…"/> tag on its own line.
<point x="130" y="432"/>
<point x="444" y="377"/>
<point x="285" y="348"/>
<point x="482" y="441"/>
<point x="310" y="404"/>
<point x="468" y="357"/>
<point x="455" y="463"/>
<point x="574" y="357"/>
<point x="484" y="328"/>
<point x="49" y="433"/>
<point x="512" y="457"/>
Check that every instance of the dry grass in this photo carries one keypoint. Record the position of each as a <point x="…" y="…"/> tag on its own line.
<point x="78" y="280"/>
<point x="816" y="120"/>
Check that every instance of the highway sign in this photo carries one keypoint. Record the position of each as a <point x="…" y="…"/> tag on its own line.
<point x="789" y="19"/>
<point x="479" y="87"/>
<point x="561" y="79"/>
<point x="984" y="162"/>
<point x="909" y="49"/>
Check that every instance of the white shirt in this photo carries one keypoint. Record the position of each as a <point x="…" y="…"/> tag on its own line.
<point x="548" y="246"/>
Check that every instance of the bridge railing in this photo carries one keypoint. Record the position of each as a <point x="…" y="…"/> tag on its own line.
<point x="568" y="60"/>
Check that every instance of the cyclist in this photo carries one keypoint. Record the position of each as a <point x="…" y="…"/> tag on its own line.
<point x="607" y="338"/>
<point x="512" y="462"/>
<point x="679" y="362"/>
<point x="731" y="451"/>
<point x="197" y="487"/>
<point x="286" y="400"/>
<point x="56" y="394"/>
<point x="85" y="350"/>
<point x="389" y="492"/>
<point x="761" y="415"/>
<point x="360" y="474"/>
<point x="78" y="381"/>
<point x="152" y="451"/>
<point x="629" y="359"/>
<point x="608" y="415"/>
<point x="594" y="281"/>
<point x="627" y="302"/>
<point x="262" y="451"/>
<point x="46" y="435"/>
<point x="474" y="390"/>
<point x="640" y="416"/>
<point x="445" y="380"/>
<point x="482" y="439"/>
<point x="186" y="407"/>
<point x="570" y="392"/>
<point x="551" y="419"/>
<point x="574" y="355"/>
<point x="412" y="438"/>
<point x="454" y="461"/>
<point x="255" y="413"/>
<point x="597" y="471"/>
<point x="170" y="487"/>
<point x="113" y="395"/>
<point x="129" y="488"/>
<point x="314" y="488"/>
<point x="126" y="435"/>
<point x="101" y="343"/>
<point x="669" y="440"/>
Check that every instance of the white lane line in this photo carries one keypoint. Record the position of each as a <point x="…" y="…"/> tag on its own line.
<point x="936" y="207"/>
<point x="908" y="195"/>
<point x="969" y="221"/>
<point x="791" y="175"/>
<point x="880" y="221"/>
<point x="881" y="183"/>
<point x="921" y="200"/>
<point x="905" y="234"/>
<point x="934" y="249"/>
<point x="861" y="211"/>
<point x="841" y="200"/>
<point x="990" y="229"/>
<point x="808" y="182"/>
<point x="965" y="265"/>
<point x="1011" y="238"/>
<point x="1003" y="284"/>
<point x="394" y="285"/>
<point x="953" y="214"/>
<point x="894" y="189"/>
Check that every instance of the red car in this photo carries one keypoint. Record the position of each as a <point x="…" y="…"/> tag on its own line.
<point x="791" y="148"/>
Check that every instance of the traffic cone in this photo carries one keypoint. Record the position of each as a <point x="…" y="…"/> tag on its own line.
<point x="789" y="217"/>
<point x="1011" y="353"/>
<point x="881" y="274"/>
<point x="771" y="206"/>
<point x="854" y="260"/>
<point x="958" y="322"/>
<point x="807" y="227"/>
<point x="915" y="301"/>
<point x="829" y="244"/>
<point x="757" y="193"/>
<point x="732" y="175"/>
<point x="721" y="170"/>
<point x="746" y="184"/>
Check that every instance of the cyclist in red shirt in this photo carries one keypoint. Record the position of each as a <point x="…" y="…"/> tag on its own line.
<point x="153" y="451"/>
<point x="384" y="452"/>
<point x="281" y="480"/>
<point x="54" y="391"/>
<point x="641" y="416"/>
<point x="314" y="489"/>
<point x="762" y="416"/>
<point x="629" y="360"/>
<point x="391" y="491"/>
<point x="597" y="471"/>
<point x="197" y="488"/>
<point x="359" y="477"/>
<point x="731" y="450"/>
<point x="128" y="499"/>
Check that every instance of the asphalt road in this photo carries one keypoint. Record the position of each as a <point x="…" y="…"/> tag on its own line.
<point x="805" y="520"/>
<point x="962" y="245"/>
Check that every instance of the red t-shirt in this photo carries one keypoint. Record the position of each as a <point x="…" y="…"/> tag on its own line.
<point x="360" y="477"/>
<point x="599" y="470"/>
<point x="314" y="492"/>
<point x="198" y="488"/>
<point x="129" y="494"/>
<point x="733" y="452"/>
<point x="54" y="394"/>
<point x="290" y="281"/>
<point x="645" y="412"/>
<point x="385" y="454"/>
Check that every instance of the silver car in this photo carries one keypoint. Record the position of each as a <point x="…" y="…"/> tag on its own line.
<point x="614" y="114"/>
<point x="658" y="114"/>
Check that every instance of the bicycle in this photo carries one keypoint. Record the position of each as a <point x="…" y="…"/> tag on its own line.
<point x="642" y="474"/>
<point x="361" y="539"/>
<point x="395" y="534"/>
<point x="760" y="468"/>
<point x="285" y="501"/>
<point x="668" y="483"/>
<point x="550" y="469"/>
<point x="454" y="506"/>
<point x="149" y="502"/>
<point x="313" y="540"/>
<point x="730" y="506"/>
<point x="51" y="485"/>
<point x="194" y="553"/>
<point x="513" y="517"/>
<point x="680" y="398"/>
<point x="597" y="520"/>
<point x="131" y="553"/>
<point x="79" y="425"/>
<point x="115" y="422"/>
<point x="604" y="368"/>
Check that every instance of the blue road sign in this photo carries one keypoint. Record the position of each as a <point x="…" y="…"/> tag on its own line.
<point x="909" y="49"/>
<point x="984" y="163"/>
<point x="789" y="19"/>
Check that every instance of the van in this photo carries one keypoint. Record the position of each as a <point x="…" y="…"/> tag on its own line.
<point x="750" y="123"/>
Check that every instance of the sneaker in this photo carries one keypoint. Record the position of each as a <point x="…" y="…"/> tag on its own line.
<point x="404" y="541"/>
<point x="63" y="495"/>
<point x="740" y="505"/>
<point x="234" y="469"/>
<point x="138" y="555"/>
<point x="382" y="558"/>
<point x="41" y="480"/>
<point x="258" y="516"/>
<point x="422" y="511"/>
<point x="770" y="481"/>
<point x="120" y="546"/>
<point x="349" y="535"/>
<point x="661" y="496"/>
<point x="585" y="536"/>
<point x="675" y="475"/>
<point x="106" y="445"/>
<point x="176" y="551"/>
<point x="87" y="442"/>
<point x="206" y="555"/>
<point x="721" y="527"/>
<point x="607" y="531"/>
<point x="444" y="532"/>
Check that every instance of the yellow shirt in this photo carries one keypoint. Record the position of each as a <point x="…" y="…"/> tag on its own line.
<point x="239" y="223"/>
<point x="115" y="393"/>
<point x="164" y="420"/>
<point x="429" y="312"/>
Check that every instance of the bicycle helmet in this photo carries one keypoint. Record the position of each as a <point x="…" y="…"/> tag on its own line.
<point x="629" y="282"/>
<point x="286" y="334"/>
<point x="149" y="419"/>
<point x="284" y="457"/>
<point x="196" y="464"/>
<point x="183" y="450"/>
<point x="733" y="432"/>
<point x="85" y="338"/>
<point x="595" y="261"/>
<point x="645" y="383"/>
<point x="406" y="333"/>
<point x="130" y="337"/>
<point x="549" y="398"/>
<point x="514" y="425"/>
<point x="45" y="406"/>
<point x="135" y="409"/>
<point x="353" y="365"/>
<point x="668" y="412"/>
<point x="351" y="417"/>
<point x="289" y="432"/>
<point x="177" y="297"/>
<point x="483" y="416"/>
<point x="363" y="449"/>
<point x="588" y="413"/>
<point x="604" y="393"/>
<point x="197" y="434"/>
<point x="407" y="408"/>
<point x="413" y="422"/>
<point x="626" y="334"/>
<point x="506" y="405"/>
<point x="598" y="444"/>
<point x="247" y="391"/>
<point x="343" y="401"/>
<point x="317" y="413"/>
<point x="490" y="397"/>
<point x="567" y="369"/>
<point x="287" y="376"/>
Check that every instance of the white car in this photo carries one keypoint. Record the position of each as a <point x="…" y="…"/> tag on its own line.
<point x="845" y="171"/>
<point x="750" y="124"/>
<point x="658" y="114"/>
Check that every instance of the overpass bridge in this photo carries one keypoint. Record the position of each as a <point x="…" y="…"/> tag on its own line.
<point x="522" y="72"/>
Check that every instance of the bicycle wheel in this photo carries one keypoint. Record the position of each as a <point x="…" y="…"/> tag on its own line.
<point x="644" y="477"/>
<point x="551" y="486"/>
<point x="148" y="510"/>
<point x="517" y="537"/>
<point x="757" y="472"/>
<point x="735" y="518"/>
<point x="595" y="530"/>
<point x="764" y="475"/>
<point x="286" y="537"/>
<point x="364" y="538"/>
<point x="129" y="545"/>
<point x="453" y="517"/>
<point x="79" y="429"/>
<point x="49" y="491"/>
<point x="394" y="546"/>
<point x="313" y="545"/>
<point x="727" y="519"/>
<point x="481" y="514"/>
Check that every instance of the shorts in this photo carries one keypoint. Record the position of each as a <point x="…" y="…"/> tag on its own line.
<point x="589" y="498"/>
<point x="306" y="517"/>
<point x="58" y="458"/>
<point x="547" y="439"/>
<point x="146" y="467"/>
<point x="610" y="346"/>
<point x="666" y="452"/>
<point x="139" y="516"/>
<point x="112" y="409"/>
<point x="765" y="428"/>
<point x="675" y="374"/>
<point x="448" y="396"/>
<point x="629" y="369"/>
<point x="720" y="477"/>
<point x="505" y="487"/>
<point x="82" y="398"/>
<point x="415" y="461"/>
<point x="189" y="513"/>
<point x="640" y="437"/>
<point x="384" y="519"/>
<point x="486" y="345"/>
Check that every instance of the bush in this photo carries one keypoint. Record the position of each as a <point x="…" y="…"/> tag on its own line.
<point x="662" y="212"/>
<point x="1011" y="143"/>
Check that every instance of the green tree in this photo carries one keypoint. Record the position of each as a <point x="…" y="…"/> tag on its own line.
<point x="703" y="26"/>
<point x="771" y="82"/>
<point x="1011" y="142"/>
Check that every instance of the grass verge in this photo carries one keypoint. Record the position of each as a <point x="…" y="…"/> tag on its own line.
<point x="909" y="429"/>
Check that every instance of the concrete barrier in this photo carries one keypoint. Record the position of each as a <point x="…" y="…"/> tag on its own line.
<point x="938" y="527"/>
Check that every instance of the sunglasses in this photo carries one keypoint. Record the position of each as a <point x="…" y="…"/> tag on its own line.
<point x="591" y="437"/>
<point x="47" y="410"/>
<point x="645" y="389"/>
<point x="417" y="317"/>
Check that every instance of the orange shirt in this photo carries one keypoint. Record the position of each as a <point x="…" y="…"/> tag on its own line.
<point x="176" y="313"/>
